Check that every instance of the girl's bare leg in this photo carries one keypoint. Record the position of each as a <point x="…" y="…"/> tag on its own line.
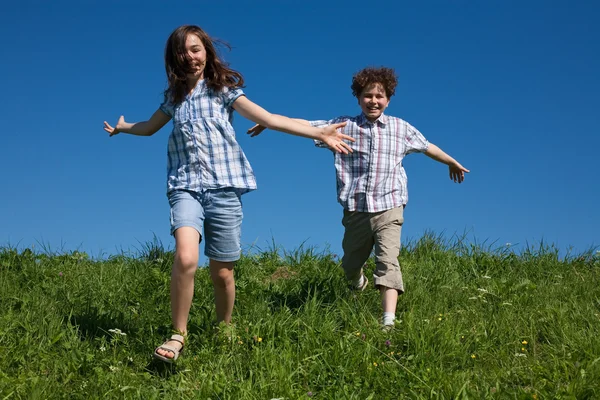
<point x="221" y="274"/>
<point x="182" y="281"/>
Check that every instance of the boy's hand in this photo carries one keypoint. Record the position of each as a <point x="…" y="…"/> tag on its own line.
<point x="457" y="172"/>
<point x="333" y="138"/>
<point x="256" y="130"/>
<point x="117" y="129"/>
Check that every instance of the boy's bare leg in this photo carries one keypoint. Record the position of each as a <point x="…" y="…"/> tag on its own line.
<point x="389" y="299"/>
<point x="221" y="274"/>
<point x="182" y="281"/>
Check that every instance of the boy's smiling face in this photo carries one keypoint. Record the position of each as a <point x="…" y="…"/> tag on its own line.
<point x="373" y="101"/>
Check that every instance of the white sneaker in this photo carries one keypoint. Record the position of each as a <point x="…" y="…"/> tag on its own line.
<point x="363" y="286"/>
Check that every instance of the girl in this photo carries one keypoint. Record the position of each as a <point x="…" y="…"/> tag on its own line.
<point x="207" y="169"/>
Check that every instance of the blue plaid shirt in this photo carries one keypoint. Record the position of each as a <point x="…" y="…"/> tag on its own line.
<point x="372" y="178"/>
<point x="203" y="152"/>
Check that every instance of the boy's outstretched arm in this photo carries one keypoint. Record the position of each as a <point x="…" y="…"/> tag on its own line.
<point x="145" y="128"/>
<point x="457" y="171"/>
<point x="329" y="134"/>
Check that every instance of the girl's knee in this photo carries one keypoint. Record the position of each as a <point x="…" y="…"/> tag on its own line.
<point x="222" y="277"/>
<point x="185" y="261"/>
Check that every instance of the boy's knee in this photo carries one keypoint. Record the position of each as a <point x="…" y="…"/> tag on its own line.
<point x="387" y="263"/>
<point x="388" y="274"/>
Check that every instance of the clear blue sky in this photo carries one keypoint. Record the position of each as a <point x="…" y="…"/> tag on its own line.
<point x="509" y="88"/>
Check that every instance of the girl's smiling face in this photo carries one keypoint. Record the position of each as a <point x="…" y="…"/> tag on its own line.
<point x="196" y="55"/>
<point x="373" y="101"/>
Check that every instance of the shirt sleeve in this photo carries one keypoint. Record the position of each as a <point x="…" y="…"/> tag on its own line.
<point x="230" y="95"/>
<point x="414" y="141"/>
<point x="167" y="107"/>
<point x="320" y="123"/>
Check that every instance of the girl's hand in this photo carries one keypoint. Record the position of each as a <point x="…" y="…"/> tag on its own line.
<point x="256" y="130"/>
<point x="457" y="172"/>
<point x="333" y="138"/>
<point x="117" y="129"/>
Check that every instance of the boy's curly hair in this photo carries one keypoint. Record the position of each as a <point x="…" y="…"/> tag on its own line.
<point x="367" y="76"/>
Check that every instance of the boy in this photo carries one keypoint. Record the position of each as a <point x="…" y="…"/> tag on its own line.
<point x="372" y="184"/>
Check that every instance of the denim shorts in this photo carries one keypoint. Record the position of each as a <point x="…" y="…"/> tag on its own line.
<point x="218" y="212"/>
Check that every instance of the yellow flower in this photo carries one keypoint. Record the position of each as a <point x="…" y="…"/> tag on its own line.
<point x="357" y="333"/>
<point x="392" y="353"/>
<point x="440" y="318"/>
<point x="473" y="356"/>
<point x="259" y="339"/>
<point x="374" y="364"/>
<point x="524" y="342"/>
<point x="240" y="342"/>
<point x="523" y="349"/>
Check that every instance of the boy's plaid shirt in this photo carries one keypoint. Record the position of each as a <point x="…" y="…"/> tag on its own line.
<point x="372" y="178"/>
<point x="203" y="152"/>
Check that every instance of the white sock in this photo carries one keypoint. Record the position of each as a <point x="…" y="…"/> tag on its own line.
<point x="388" y="318"/>
<point x="360" y="281"/>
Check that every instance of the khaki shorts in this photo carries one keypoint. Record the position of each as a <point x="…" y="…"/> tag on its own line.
<point x="380" y="230"/>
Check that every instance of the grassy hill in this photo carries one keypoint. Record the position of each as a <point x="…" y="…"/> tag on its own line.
<point x="474" y="323"/>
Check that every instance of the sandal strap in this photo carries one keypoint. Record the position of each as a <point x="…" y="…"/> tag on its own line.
<point x="170" y="348"/>
<point x="177" y="338"/>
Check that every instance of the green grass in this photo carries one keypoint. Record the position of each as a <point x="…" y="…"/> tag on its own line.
<point x="475" y="323"/>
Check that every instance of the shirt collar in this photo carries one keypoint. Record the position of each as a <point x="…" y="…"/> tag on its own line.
<point x="362" y="119"/>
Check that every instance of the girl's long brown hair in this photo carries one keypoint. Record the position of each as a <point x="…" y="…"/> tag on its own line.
<point x="217" y="73"/>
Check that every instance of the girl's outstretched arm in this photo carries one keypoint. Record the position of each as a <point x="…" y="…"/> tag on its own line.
<point x="457" y="171"/>
<point x="145" y="128"/>
<point x="258" y="129"/>
<point x="329" y="135"/>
